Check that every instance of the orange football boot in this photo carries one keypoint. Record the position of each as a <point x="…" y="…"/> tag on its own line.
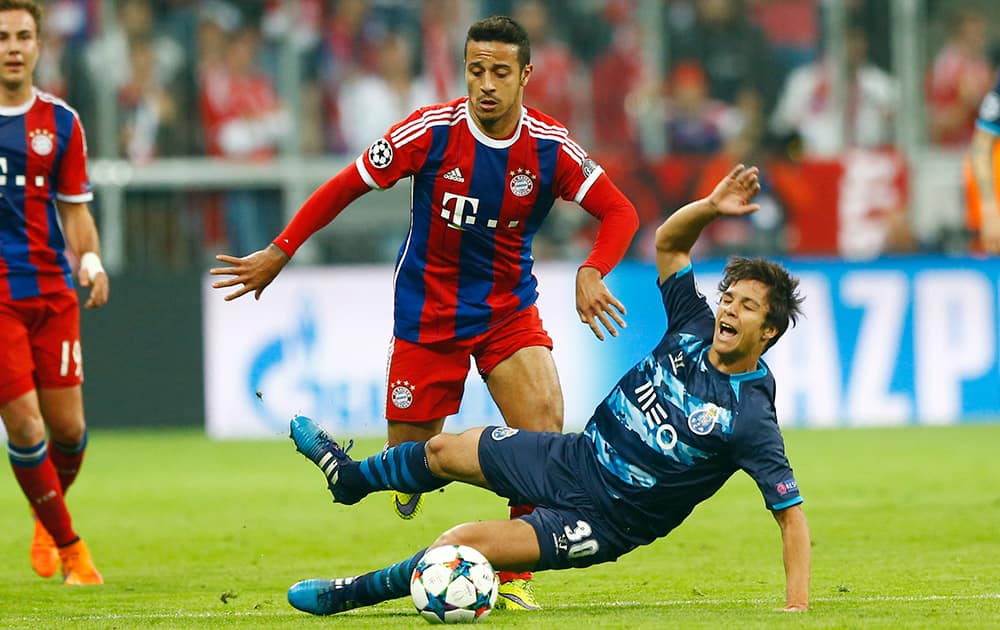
<point x="78" y="566"/>
<point x="44" y="554"/>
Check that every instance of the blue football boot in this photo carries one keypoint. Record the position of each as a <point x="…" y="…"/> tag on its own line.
<point x="313" y="442"/>
<point x="323" y="597"/>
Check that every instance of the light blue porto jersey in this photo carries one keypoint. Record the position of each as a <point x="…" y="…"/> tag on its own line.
<point x="674" y="428"/>
<point x="989" y="111"/>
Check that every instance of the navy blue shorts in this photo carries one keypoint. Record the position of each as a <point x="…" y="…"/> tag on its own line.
<point x="557" y="473"/>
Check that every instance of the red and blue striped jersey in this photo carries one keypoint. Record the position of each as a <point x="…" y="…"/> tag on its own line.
<point x="477" y="203"/>
<point x="43" y="158"/>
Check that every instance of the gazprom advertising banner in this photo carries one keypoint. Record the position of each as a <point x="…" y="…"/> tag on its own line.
<point x="887" y="342"/>
<point x="317" y="343"/>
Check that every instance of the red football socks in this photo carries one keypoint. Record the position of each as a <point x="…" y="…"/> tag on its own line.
<point x="40" y="484"/>
<point x="507" y="576"/>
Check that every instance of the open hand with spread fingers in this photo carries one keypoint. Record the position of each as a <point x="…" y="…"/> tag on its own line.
<point x="254" y="271"/>
<point x="732" y="195"/>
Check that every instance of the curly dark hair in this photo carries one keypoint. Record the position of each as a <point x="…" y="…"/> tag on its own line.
<point x="501" y="28"/>
<point x="784" y="300"/>
<point x="31" y="6"/>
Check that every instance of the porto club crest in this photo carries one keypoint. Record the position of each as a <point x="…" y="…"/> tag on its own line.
<point x="703" y="420"/>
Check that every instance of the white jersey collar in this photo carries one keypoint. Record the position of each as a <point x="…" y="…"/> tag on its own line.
<point x="493" y="143"/>
<point x="18" y="110"/>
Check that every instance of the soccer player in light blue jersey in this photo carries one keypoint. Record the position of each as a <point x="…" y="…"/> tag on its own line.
<point x="984" y="160"/>
<point x="676" y="426"/>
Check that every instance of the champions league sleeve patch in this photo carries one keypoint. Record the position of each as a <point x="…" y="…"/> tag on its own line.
<point x="380" y="153"/>
<point x="588" y="166"/>
<point x="786" y="486"/>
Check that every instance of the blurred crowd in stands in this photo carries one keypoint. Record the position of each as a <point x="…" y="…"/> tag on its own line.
<point x="739" y="80"/>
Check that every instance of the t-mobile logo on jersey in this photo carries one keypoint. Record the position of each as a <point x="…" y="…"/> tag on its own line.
<point x="463" y="212"/>
<point x="459" y="211"/>
<point x="19" y="180"/>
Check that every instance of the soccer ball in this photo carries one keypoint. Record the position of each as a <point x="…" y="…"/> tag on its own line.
<point x="453" y="584"/>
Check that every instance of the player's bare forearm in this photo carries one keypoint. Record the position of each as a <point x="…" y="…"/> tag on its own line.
<point x="82" y="239"/>
<point x="79" y="228"/>
<point x="797" y="555"/>
<point x="677" y="235"/>
<point x="981" y="156"/>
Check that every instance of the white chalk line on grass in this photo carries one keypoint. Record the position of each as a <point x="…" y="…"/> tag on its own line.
<point x="584" y="606"/>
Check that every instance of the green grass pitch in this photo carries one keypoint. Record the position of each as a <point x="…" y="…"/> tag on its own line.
<point x="192" y="533"/>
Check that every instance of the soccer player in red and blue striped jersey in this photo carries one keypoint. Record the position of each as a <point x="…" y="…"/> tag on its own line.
<point x="485" y="172"/>
<point x="43" y="210"/>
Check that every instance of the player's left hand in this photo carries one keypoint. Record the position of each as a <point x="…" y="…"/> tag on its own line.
<point x="100" y="288"/>
<point x="594" y="302"/>
<point x="255" y="271"/>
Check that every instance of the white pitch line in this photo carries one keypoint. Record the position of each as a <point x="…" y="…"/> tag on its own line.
<point x="619" y="604"/>
<point x="716" y="602"/>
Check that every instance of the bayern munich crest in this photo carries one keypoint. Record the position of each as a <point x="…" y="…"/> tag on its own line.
<point x="401" y="394"/>
<point x="42" y="141"/>
<point x="380" y="153"/>
<point x="522" y="182"/>
<point x="703" y="420"/>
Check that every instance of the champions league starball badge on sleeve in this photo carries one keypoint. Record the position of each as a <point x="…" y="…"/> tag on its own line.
<point x="380" y="153"/>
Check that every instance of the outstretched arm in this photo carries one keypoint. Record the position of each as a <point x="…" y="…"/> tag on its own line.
<point x="594" y="302"/>
<point x="676" y="236"/>
<point x="797" y="554"/>
<point x="260" y="268"/>
<point x="981" y="154"/>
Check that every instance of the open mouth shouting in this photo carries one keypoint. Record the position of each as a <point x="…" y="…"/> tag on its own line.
<point x="727" y="331"/>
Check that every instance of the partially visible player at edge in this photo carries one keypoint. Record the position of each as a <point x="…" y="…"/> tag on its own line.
<point x="485" y="172"/>
<point x="984" y="162"/>
<point x="44" y="183"/>
<point x="676" y="426"/>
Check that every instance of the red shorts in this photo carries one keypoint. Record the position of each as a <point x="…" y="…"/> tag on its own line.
<point x="426" y="381"/>
<point x="39" y="344"/>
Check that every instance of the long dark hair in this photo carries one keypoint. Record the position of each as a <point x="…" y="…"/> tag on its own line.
<point x="784" y="300"/>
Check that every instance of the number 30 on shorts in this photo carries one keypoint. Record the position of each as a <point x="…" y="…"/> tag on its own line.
<point x="71" y="353"/>
<point x="580" y="542"/>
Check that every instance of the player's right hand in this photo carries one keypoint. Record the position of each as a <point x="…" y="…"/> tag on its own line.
<point x="254" y="271"/>
<point x="732" y="195"/>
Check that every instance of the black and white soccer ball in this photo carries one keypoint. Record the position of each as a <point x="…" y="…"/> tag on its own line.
<point x="453" y="584"/>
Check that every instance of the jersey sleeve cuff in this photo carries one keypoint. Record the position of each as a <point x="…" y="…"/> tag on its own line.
<point x="80" y="198"/>
<point x="786" y="504"/>
<point x="285" y="245"/>
<point x="365" y="175"/>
